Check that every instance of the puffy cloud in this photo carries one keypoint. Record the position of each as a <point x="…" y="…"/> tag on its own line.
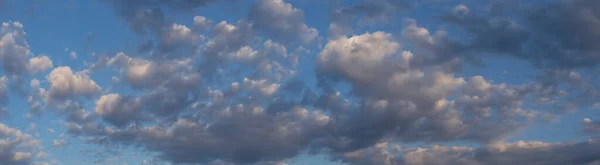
<point x="14" y="49"/>
<point x="240" y="134"/>
<point x="411" y="103"/>
<point x="142" y="73"/>
<point x="39" y="64"/>
<point x="202" y="23"/>
<point x="148" y="17"/>
<point x="116" y="109"/>
<point x="234" y="102"/>
<point x="64" y="84"/>
<point x="225" y="39"/>
<point x="16" y="148"/>
<point x="178" y="35"/>
<point x="261" y="86"/>
<point x="281" y="21"/>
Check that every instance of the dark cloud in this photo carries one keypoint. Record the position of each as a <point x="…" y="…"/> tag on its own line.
<point x="552" y="34"/>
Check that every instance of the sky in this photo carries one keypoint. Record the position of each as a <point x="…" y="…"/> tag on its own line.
<point x="299" y="82"/>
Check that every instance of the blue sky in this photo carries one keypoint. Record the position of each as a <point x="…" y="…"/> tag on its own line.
<point x="299" y="82"/>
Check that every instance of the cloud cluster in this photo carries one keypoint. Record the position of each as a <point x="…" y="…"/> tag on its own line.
<point x="519" y="153"/>
<point x="281" y="21"/>
<point x="232" y="93"/>
<point x="16" y="147"/>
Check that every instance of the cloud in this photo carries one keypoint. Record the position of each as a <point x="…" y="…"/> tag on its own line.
<point x="281" y="21"/>
<point x="185" y="121"/>
<point x="16" y="148"/>
<point x="3" y="90"/>
<point x="141" y="73"/>
<point x="14" y="49"/>
<point x="241" y="134"/>
<point x="202" y="23"/>
<point x="368" y="12"/>
<point x="64" y="84"/>
<point x="411" y="103"/>
<point x="528" y="36"/>
<point x="60" y="143"/>
<point x="147" y="17"/>
<point x="39" y="64"/>
<point x="590" y="126"/>
<point x="519" y="153"/>
<point x="116" y="109"/>
<point x="232" y="97"/>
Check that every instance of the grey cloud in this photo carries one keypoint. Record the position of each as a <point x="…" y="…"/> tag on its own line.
<point x="14" y="50"/>
<point x="590" y="126"/>
<point x="3" y="90"/>
<point x="410" y="103"/>
<point x="225" y="39"/>
<point x="538" y="33"/>
<point x="185" y="115"/>
<point x="281" y="21"/>
<point x="242" y="134"/>
<point x="518" y="153"/>
<point x="140" y="73"/>
<point x="147" y="17"/>
<point x="17" y="148"/>
<point x="377" y="10"/>
<point x="117" y="110"/>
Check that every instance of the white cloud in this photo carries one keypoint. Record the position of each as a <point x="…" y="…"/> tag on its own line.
<point x="64" y="84"/>
<point x="39" y="64"/>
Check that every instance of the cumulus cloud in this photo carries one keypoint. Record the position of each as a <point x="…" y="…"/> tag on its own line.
<point x="242" y="134"/>
<point x="116" y="109"/>
<point x="17" y="148"/>
<point x="281" y="21"/>
<point x="39" y="64"/>
<point x="141" y="73"/>
<point x="64" y="84"/>
<point x="236" y="95"/>
<point x="202" y="23"/>
<point x="148" y="17"/>
<point x="528" y="36"/>
<point x="14" y="49"/>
